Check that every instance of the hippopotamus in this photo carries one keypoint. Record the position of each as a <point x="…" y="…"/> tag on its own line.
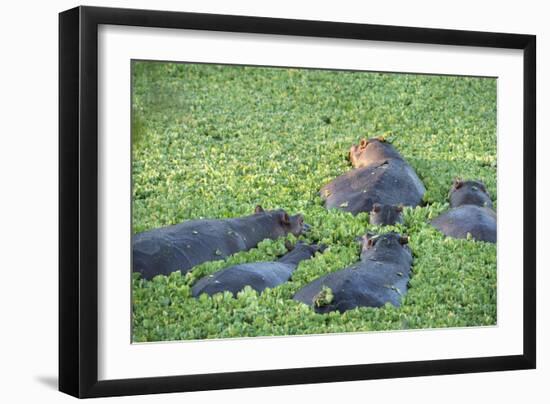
<point x="385" y="215"/>
<point x="257" y="275"/>
<point x="381" y="276"/>
<point x="380" y="175"/>
<point x="471" y="213"/>
<point x="182" y="246"/>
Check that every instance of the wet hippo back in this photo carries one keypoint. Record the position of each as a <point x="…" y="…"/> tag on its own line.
<point x="380" y="277"/>
<point x="381" y="176"/>
<point x="257" y="275"/>
<point x="185" y="245"/>
<point x="479" y="222"/>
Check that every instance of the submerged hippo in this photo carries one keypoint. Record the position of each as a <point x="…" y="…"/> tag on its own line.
<point x="385" y="215"/>
<point x="257" y="275"/>
<point x="380" y="175"/>
<point x="471" y="213"/>
<point x="380" y="277"/>
<point x="185" y="245"/>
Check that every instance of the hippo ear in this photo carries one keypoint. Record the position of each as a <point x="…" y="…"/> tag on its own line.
<point x="399" y="208"/>
<point x="362" y="241"/>
<point x="403" y="240"/>
<point x="457" y="183"/>
<point x="376" y="207"/>
<point x="363" y="144"/>
<point x="285" y="219"/>
<point x="370" y="239"/>
<point x="259" y="209"/>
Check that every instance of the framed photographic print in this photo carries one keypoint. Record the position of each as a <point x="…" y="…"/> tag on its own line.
<point x="250" y="201"/>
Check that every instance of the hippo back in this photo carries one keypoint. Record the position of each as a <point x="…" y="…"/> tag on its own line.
<point x="364" y="284"/>
<point x="258" y="276"/>
<point x="182" y="246"/>
<point x="392" y="182"/>
<point x="477" y="221"/>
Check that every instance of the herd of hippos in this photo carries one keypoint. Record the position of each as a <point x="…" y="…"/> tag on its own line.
<point x="381" y="183"/>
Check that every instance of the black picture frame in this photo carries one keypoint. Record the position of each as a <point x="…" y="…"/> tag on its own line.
<point x="78" y="200"/>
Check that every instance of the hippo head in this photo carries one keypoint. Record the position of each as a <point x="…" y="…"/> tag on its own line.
<point x="284" y="223"/>
<point x="371" y="151"/>
<point x="300" y="251"/>
<point x="383" y="215"/>
<point x="304" y="247"/>
<point x="469" y="192"/>
<point x="386" y="245"/>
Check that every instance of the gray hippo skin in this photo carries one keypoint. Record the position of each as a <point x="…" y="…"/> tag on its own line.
<point x="185" y="245"/>
<point x="380" y="175"/>
<point x="257" y="275"/>
<point x="469" y="193"/>
<point x="385" y="215"/>
<point x="471" y="213"/>
<point x="380" y="277"/>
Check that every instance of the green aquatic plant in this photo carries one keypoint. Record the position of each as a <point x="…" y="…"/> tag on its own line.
<point x="215" y="141"/>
